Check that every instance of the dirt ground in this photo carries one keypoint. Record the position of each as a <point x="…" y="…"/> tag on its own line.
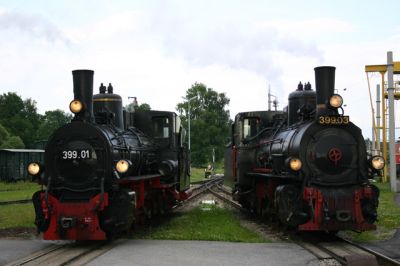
<point x="18" y="233"/>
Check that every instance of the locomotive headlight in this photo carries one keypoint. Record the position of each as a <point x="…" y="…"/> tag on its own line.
<point x="122" y="166"/>
<point x="76" y="106"/>
<point x="336" y="101"/>
<point x="377" y="162"/>
<point x="295" y="164"/>
<point x="33" y="169"/>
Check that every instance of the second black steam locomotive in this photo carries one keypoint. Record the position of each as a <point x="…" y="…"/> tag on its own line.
<point x="306" y="165"/>
<point x="108" y="167"/>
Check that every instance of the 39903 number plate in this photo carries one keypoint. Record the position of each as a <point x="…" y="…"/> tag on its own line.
<point x="333" y="120"/>
<point x="75" y="154"/>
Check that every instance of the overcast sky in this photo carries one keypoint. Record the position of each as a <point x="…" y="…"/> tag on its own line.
<point x="155" y="50"/>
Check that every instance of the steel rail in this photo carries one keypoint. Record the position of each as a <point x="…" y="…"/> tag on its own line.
<point x="382" y="257"/>
<point x="15" y="202"/>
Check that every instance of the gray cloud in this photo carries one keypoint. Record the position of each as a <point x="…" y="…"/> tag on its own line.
<point x="202" y="41"/>
<point x="33" y="25"/>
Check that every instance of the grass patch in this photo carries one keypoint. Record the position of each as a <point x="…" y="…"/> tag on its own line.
<point x="216" y="224"/>
<point x="18" y="190"/>
<point x="17" y="215"/>
<point x="197" y="174"/>
<point x="388" y="217"/>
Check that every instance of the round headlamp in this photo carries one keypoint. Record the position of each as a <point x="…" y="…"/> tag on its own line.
<point x="122" y="166"/>
<point x="33" y="168"/>
<point x="377" y="162"/>
<point x="336" y="101"/>
<point x="295" y="164"/>
<point x="76" y="106"/>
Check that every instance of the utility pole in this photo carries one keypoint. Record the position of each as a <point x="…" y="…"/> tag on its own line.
<point x="392" y="147"/>
<point x="194" y="97"/>
<point x="378" y="120"/>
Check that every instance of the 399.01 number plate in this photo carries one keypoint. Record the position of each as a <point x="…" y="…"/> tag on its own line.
<point x="75" y="154"/>
<point x="333" y="120"/>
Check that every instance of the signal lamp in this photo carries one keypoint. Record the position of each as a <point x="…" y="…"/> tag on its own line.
<point x="377" y="162"/>
<point x="295" y="164"/>
<point x="76" y="106"/>
<point x="336" y="101"/>
<point x="33" y="169"/>
<point x="122" y="166"/>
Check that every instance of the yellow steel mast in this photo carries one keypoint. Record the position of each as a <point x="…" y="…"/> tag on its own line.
<point x="382" y="70"/>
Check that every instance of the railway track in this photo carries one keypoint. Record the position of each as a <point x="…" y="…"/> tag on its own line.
<point x="80" y="253"/>
<point x="343" y="251"/>
<point x="15" y="202"/>
<point x="325" y="248"/>
<point x="338" y="250"/>
<point x="66" y="254"/>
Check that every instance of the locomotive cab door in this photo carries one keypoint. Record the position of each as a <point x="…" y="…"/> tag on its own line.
<point x="183" y="159"/>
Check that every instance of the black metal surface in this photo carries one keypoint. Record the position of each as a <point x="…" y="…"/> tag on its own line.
<point x="83" y="91"/>
<point x="332" y="154"/>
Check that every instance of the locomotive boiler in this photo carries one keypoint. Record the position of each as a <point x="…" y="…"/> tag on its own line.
<point x="306" y="165"/>
<point x="108" y="167"/>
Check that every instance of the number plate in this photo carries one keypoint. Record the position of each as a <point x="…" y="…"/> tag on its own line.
<point x="333" y="120"/>
<point x="75" y="154"/>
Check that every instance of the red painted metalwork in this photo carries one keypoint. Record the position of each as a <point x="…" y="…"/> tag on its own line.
<point x="262" y="170"/>
<point x="261" y="190"/>
<point x="335" y="155"/>
<point x="315" y="199"/>
<point x="397" y="152"/>
<point x="74" y="220"/>
<point x="140" y="186"/>
<point x="80" y="219"/>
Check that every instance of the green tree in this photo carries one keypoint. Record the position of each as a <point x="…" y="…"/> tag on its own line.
<point x="9" y="142"/>
<point x="209" y="122"/>
<point x="13" y="142"/>
<point x="50" y="122"/>
<point x="19" y="117"/>
<point x="4" y="135"/>
<point x="133" y="106"/>
<point x="144" y="107"/>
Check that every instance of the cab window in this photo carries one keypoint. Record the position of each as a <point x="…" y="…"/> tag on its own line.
<point x="161" y="126"/>
<point x="250" y="127"/>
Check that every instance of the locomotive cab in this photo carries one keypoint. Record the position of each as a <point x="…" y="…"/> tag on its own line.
<point x="166" y="130"/>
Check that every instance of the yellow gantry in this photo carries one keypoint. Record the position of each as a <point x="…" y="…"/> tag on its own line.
<point x="382" y="70"/>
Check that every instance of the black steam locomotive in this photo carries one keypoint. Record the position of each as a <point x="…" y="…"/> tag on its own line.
<point x="306" y="165"/>
<point x="108" y="167"/>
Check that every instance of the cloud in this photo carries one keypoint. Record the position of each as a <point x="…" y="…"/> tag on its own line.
<point x="32" y="25"/>
<point x="236" y="45"/>
<point x="310" y="28"/>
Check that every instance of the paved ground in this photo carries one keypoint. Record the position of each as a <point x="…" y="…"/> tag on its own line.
<point x="390" y="248"/>
<point x="11" y="249"/>
<point x="207" y="253"/>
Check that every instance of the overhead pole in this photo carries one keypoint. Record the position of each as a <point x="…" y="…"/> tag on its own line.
<point x="392" y="148"/>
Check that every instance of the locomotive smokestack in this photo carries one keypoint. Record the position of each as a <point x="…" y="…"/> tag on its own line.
<point x="325" y="85"/>
<point x="83" y="91"/>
